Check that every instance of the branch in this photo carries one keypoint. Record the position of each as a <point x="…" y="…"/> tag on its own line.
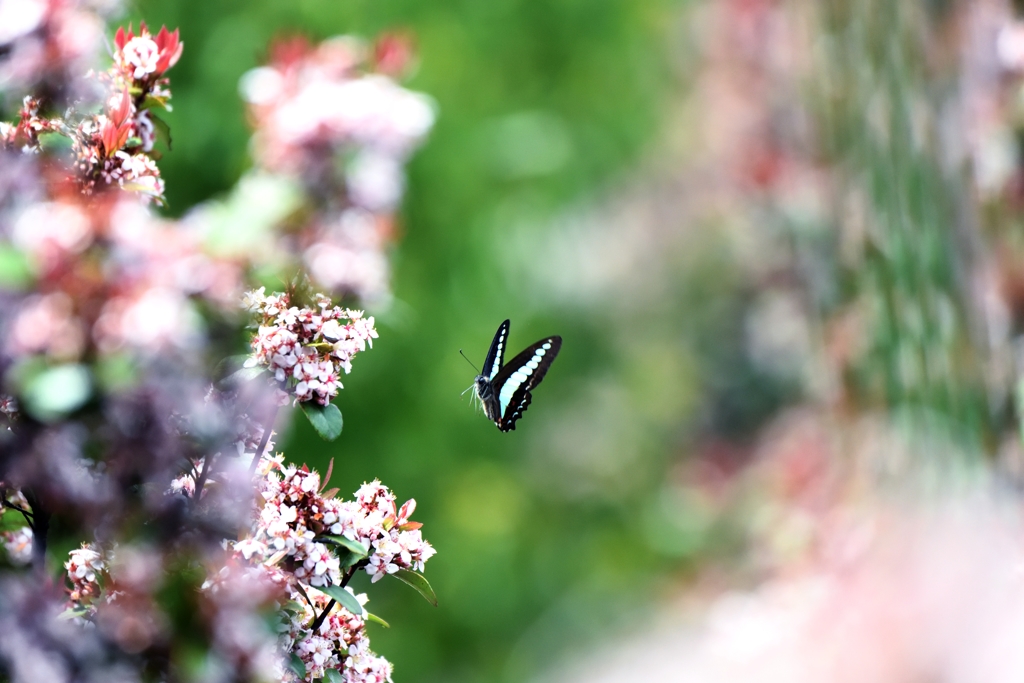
<point x="263" y="441"/>
<point x="40" y="526"/>
<point x="203" y="476"/>
<point x="327" y="610"/>
<point x="11" y="506"/>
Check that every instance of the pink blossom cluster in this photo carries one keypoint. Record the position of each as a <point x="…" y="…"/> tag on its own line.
<point x="18" y="545"/>
<point x="85" y="570"/>
<point x="307" y="348"/>
<point x="8" y="405"/>
<point x="110" y="316"/>
<point x="296" y="513"/>
<point x="310" y="103"/>
<point x="142" y="297"/>
<point x="239" y="596"/>
<point x="42" y="41"/>
<point x="340" y="643"/>
<point x="249" y="437"/>
<point x="16" y="541"/>
<point x="291" y="542"/>
<point x="114" y="148"/>
<point x="332" y="118"/>
<point x="107" y="273"/>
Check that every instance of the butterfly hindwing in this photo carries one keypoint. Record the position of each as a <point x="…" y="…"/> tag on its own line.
<point x="519" y="376"/>
<point x="496" y="354"/>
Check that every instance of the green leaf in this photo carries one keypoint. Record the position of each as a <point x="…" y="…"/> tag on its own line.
<point x="242" y="376"/>
<point x="373" y="617"/>
<point x="333" y="676"/>
<point x="151" y="102"/>
<point x="326" y="420"/>
<point x="15" y="268"/>
<point x="57" y="391"/>
<point x="163" y="131"/>
<point x="350" y="560"/>
<point x="54" y="142"/>
<point x="418" y="582"/>
<point x="72" y="612"/>
<point x="297" y="665"/>
<point x="116" y="371"/>
<point x="356" y="547"/>
<point x="294" y="606"/>
<point x="344" y="598"/>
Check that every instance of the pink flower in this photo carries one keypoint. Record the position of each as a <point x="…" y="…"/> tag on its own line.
<point x="289" y="343"/>
<point x="145" y="55"/>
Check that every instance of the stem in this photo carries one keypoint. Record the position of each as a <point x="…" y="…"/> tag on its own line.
<point x="40" y="525"/>
<point x="327" y="610"/>
<point x="201" y="481"/>
<point x="11" y="506"/>
<point x="263" y="441"/>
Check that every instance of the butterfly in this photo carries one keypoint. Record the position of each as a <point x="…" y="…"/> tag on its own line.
<point x="504" y="389"/>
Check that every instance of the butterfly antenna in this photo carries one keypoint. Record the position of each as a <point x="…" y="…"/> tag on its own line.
<point x="469" y="361"/>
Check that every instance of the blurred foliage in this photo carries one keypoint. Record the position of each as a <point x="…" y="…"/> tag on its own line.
<point x="882" y="110"/>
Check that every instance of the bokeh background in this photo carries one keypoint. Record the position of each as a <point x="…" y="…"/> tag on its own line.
<point x="780" y="239"/>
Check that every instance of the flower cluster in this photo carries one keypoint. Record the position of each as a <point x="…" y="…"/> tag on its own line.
<point x="296" y="513"/>
<point x="312" y="103"/>
<point x="142" y="59"/>
<point x="141" y="299"/>
<point x="307" y="348"/>
<point x="113" y="148"/>
<point x="85" y="569"/>
<point x="49" y="43"/>
<point x="303" y="539"/>
<point x="18" y="544"/>
<point x="116" y="146"/>
<point x="16" y="540"/>
<point x="332" y="119"/>
<point x="29" y="127"/>
<point x="340" y="643"/>
<point x="105" y="347"/>
<point x="8" y="405"/>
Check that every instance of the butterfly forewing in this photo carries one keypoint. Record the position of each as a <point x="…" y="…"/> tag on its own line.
<point x="519" y="376"/>
<point x="496" y="354"/>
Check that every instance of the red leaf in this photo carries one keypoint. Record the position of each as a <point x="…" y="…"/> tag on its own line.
<point x="124" y="108"/>
<point x="170" y="47"/>
<point x="330" y="468"/>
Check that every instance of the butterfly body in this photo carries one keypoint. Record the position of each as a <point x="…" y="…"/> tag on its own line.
<point x="504" y="388"/>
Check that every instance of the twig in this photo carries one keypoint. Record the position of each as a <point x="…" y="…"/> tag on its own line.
<point x="40" y="525"/>
<point x="203" y="476"/>
<point x="267" y="429"/>
<point x="327" y="610"/>
<point x="11" y="506"/>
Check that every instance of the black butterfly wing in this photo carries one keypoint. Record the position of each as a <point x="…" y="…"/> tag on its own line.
<point x="519" y="376"/>
<point x="496" y="354"/>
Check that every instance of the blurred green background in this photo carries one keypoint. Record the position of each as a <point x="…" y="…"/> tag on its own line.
<point x="534" y="199"/>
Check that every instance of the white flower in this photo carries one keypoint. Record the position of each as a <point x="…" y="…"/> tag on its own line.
<point x="18" y="545"/>
<point x="250" y="547"/>
<point x="379" y="566"/>
<point x="142" y="53"/>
